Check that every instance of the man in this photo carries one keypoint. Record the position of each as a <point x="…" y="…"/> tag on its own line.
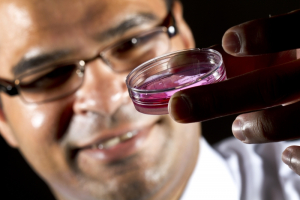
<point x="82" y="135"/>
<point x="65" y="105"/>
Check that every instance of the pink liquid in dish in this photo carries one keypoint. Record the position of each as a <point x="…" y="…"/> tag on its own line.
<point x="158" y="89"/>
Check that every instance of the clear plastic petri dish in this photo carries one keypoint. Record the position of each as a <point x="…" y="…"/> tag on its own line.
<point x="152" y="83"/>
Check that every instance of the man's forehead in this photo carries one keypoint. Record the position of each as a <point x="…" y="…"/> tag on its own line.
<point x="36" y="15"/>
<point x="46" y="12"/>
<point x="59" y="11"/>
<point x="27" y="21"/>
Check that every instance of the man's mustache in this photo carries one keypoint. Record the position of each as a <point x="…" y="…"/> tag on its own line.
<point x="85" y="125"/>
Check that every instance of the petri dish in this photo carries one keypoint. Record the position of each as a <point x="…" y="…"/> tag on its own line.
<point x="151" y="84"/>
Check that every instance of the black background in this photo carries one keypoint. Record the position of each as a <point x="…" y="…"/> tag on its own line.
<point x="208" y="19"/>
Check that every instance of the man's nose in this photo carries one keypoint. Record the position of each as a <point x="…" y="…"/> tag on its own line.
<point x="103" y="90"/>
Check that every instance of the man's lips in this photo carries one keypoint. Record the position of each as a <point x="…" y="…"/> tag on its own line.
<point x="116" y="146"/>
<point x="111" y="142"/>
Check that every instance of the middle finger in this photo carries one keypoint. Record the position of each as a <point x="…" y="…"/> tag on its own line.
<point x="260" y="89"/>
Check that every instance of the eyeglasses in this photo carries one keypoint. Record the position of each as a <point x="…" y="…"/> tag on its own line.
<point x="52" y="83"/>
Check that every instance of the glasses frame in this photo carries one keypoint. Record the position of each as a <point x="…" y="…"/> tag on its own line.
<point x="12" y="88"/>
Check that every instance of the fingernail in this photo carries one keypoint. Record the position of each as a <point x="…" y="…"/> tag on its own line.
<point x="231" y="42"/>
<point x="286" y="157"/>
<point x="180" y="108"/>
<point x="237" y="129"/>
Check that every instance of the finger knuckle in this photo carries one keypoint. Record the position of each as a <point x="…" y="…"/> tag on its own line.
<point x="263" y="128"/>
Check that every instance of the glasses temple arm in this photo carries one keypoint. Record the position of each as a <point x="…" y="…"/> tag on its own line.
<point x="8" y="88"/>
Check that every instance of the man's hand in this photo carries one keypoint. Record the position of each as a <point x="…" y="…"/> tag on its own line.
<point x="264" y="74"/>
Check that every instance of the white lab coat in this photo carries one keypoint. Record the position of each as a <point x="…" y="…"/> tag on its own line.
<point x="232" y="170"/>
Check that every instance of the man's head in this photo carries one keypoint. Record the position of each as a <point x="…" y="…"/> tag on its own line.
<point x="90" y="144"/>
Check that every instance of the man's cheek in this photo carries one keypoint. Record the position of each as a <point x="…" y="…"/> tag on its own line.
<point x="41" y="140"/>
<point x="40" y="125"/>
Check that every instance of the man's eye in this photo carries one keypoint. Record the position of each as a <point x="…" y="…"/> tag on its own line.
<point x="133" y="46"/>
<point x="49" y="79"/>
<point x="125" y="47"/>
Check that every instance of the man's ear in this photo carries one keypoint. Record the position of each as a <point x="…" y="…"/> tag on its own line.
<point x="184" y="30"/>
<point x="5" y="130"/>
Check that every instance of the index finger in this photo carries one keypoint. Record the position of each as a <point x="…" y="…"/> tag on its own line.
<point x="275" y="34"/>
<point x="253" y="91"/>
<point x="236" y="66"/>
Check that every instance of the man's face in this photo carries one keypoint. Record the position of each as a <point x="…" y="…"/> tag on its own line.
<point x="60" y="138"/>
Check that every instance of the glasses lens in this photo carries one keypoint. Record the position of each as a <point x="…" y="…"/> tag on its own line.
<point x="137" y="50"/>
<point x="51" y="83"/>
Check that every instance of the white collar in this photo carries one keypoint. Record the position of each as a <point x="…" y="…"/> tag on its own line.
<point x="211" y="178"/>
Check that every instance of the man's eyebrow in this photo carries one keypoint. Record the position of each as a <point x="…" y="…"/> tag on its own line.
<point x="30" y="63"/>
<point x="131" y="22"/>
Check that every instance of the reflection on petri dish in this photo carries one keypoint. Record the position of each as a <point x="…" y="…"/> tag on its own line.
<point x="152" y="84"/>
